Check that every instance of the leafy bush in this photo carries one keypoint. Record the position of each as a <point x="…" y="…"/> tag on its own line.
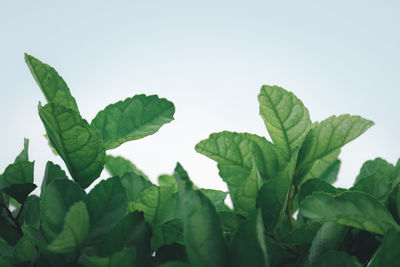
<point x="286" y="212"/>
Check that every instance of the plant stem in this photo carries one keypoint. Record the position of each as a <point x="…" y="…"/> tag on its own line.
<point x="16" y="225"/>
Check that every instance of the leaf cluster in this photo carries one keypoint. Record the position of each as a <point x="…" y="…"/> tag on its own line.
<point x="285" y="212"/>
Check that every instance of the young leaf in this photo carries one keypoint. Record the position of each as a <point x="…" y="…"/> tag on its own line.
<point x="205" y="244"/>
<point x="132" y="119"/>
<point x="51" y="173"/>
<point x="388" y="253"/>
<point x="248" y="246"/>
<point x="286" y="118"/>
<point x="74" y="232"/>
<point x="354" y="209"/>
<point x="23" y="156"/>
<point x="78" y="144"/>
<point x="326" y="137"/>
<point x="107" y="204"/>
<point x="51" y="83"/>
<point x="117" y="166"/>
<point x="217" y="197"/>
<point x="55" y="202"/>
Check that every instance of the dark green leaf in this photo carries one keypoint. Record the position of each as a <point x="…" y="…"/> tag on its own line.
<point x="388" y="253"/>
<point x="56" y="200"/>
<point x="134" y="185"/>
<point x="285" y="117"/>
<point x="9" y="231"/>
<point x="51" y="83"/>
<point x="329" y="237"/>
<point x="24" y="251"/>
<point x="52" y="172"/>
<point x="248" y="246"/>
<point x="132" y="119"/>
<point x="124" y="257"/>
<point x="167" y="233"/>
<point x="175" y="264"/>
<point x="205" y="245"/>
<point x="354" y="209"/>
<point x="337" y="258"/>
<point x="20" y="191"/>
<point x="78" y="144"/>
<point x="30" y="213"/>
<point x="107" y="204"/>
<point x="117" y="166"/>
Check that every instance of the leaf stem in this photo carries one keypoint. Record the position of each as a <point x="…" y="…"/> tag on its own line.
<point x="15" y="225"/>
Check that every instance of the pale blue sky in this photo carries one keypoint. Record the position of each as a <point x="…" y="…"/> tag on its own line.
<point x="210" y="58"/>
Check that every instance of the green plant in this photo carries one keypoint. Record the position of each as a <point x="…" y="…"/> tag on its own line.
<point x="126" y="220"/>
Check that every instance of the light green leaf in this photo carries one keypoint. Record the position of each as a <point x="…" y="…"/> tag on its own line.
<point x="327" y="136"/>
<point x="355" y="209"/>
<point x="217" y="197"/>
<point x="107" y="204"/>
<point x="78" y="144"/>
<point x="286" y="118"/>
<point x="56" y="200"/>
<point x="337" y="258"/>
<point x="167" y="234"/>
<point x="235" y="153"/>
<point x="205" y="244"/>
<point x="74" y="232"/>
<point x="51" y="173"/>
<point x="132" y="119"/>
<point x="117" y="166"/>
<point x="375" y="178"/>
<point x="388" y="253"/>
<point x="166" y="180"/>
<point x="51" y="83"/>
<point x="248" y="247"/>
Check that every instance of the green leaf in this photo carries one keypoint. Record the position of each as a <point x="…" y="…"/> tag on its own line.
<point x="74" y="232"/>
<point x="17" y="180"/>
<point x="8" y="230"/>
<point x="78" y="144"/>
<point x="273" y="195"/>
<point x="167" y="234"/>
<point x="315" y="185"/>
<point x="133" y="232"/>
<point x="326" y="168"/>
<point x="167" y="180"/>
<point x="117" y="166"/>
<point x="388" y="253"/>
<point x="286" y="118"/>
<point x="56" y="200"/>
<point x="375" y="179"/>
<point x="354" y="209"/>
<point x="235" y="153"/>
<point x="107" y="204"/>
<point x="23" y="156"/>
<point x="30" y="213"/>
<point x="330" y="174"/>
<point x="51" y="173"/>
<point x="248" y="247"/>
<point x="132" y="119"/>
<point x="159" y="204"/>
<point x="124" y="257"/>
<point x="217" y="197"/>
<point x="24" y="251"/>
<point x="175" y="264"/>
<point x="326" y="137"/>
<point x="329" y="237"/>
<point x="51" y="83"/>
<point x="338" y="258"/>
<point x="134" y="185"/>
<point x="205" y="245"/>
